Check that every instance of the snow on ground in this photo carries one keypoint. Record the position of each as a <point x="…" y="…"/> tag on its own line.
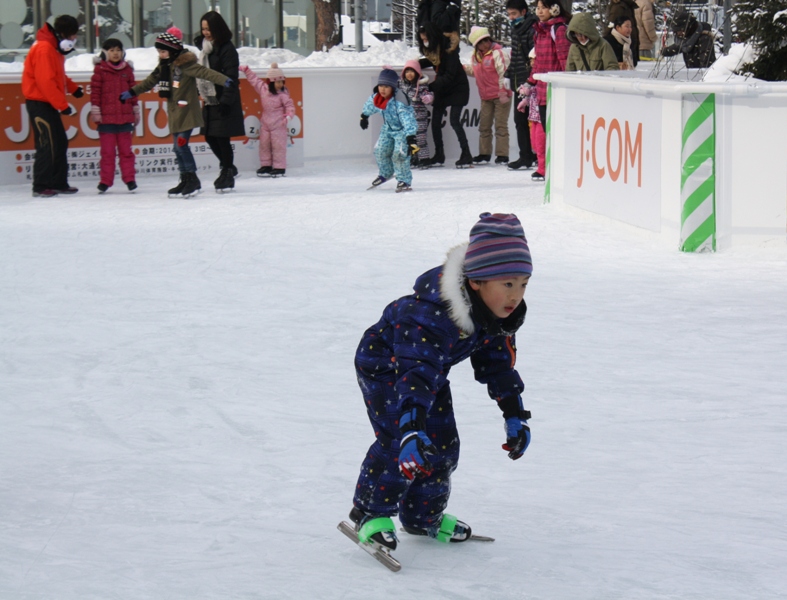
<point x="180" y="419"/>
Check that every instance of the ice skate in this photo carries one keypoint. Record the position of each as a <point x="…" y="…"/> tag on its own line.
<point x="178" y="189"/>
<point x="482" y="158"/>
<point x="403" y="187"/>
<point x="192" y="185"/>
<point x="450" y="529"/>
<point x="378" y="181"/>
<point x="277" y="173"/>
<point x="264" y="171"/>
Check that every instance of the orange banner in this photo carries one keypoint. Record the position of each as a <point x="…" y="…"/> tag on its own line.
<point x="17" y="136"/>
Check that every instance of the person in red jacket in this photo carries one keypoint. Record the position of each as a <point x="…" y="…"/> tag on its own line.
<point x="44" y="85"/>
<point x="112" y="76"/>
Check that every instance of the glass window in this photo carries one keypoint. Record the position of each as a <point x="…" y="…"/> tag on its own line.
<point x="258" y="24"/>
<point x="16" y="28"/>
<point x="299" y="26"/>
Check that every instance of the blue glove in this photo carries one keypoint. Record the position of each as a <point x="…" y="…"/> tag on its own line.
<point x="414" y="453"/>
<point x="229" y="83"/>
<point x="127" y="95"/>
<point x="517" y="437"/>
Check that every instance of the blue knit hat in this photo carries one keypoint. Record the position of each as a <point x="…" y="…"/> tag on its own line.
<point x="497" y="249"/>
<point x="388" y="77"/>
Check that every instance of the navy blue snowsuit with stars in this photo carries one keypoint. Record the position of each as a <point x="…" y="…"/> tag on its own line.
<point x="402" y="362"/>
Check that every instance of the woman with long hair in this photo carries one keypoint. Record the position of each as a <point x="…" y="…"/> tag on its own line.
<point x="450" y="88"/>
<point x="222" y="111"/>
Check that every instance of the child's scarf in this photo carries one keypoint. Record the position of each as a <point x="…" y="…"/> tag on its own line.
<point x="164" y="90"/>
<point x="381" y="102"/>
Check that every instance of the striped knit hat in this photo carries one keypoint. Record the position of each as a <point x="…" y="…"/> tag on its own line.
<point x="497" y="249"/>
<point x="172" y="40"/>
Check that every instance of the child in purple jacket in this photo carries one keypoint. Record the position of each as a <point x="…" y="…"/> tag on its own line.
<point x="469" y="307"/>
<point x="116" y="120"/>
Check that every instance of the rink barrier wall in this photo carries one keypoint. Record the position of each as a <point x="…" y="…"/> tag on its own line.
<point x="698" y="176"/>
<point x="328" y="103"/>
<point x="616" y="149"/>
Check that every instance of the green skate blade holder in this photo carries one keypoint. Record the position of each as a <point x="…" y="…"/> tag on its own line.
<point x="447" y="525"/>
<point x="373" y="526"/>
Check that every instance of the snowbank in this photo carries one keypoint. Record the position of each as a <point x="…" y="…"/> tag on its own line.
<point x="725" y="68"/>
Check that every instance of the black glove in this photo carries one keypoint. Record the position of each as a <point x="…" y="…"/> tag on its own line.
<point x="224" y="110"/>
<point x="79" y="92"/>
<point x="412" y="145"/>
<point x="364" y="122"/>
<point x="66" y="111"/>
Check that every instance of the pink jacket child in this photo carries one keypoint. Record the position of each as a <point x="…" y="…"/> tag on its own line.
<point x="113" y="75"/>
<point x="277" y="110"/>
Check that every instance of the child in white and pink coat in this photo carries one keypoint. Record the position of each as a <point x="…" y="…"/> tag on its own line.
<point x="277" y="110"/>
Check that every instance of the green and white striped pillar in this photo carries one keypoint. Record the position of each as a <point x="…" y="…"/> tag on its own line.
<point x="698" y="174"/>
<point x="548" y="135"/>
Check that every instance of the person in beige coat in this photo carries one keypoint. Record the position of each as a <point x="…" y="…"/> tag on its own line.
<point x="646" y="23"/>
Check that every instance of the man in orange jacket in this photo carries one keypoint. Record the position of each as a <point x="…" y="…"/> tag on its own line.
<point x="44" y="85"/>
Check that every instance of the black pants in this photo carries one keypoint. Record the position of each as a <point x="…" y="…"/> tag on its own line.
<point x="438" y="111"/>
<point x="222" y="148"/>
<point x="50" y="168"/>
<point x="523" y="133"/>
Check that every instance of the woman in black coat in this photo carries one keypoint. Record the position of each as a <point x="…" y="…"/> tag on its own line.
<point x="450" y="89"/>
<point x="222" y="111"/>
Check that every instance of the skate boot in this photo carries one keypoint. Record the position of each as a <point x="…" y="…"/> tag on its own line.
<point x="403" y="187"/>
<point x="501" y="160"/>
<point x="537" y="176"/>
<point x="380" y="530"/>
<point x="178" y="189"/>
<point x="482" y="158"/>
<point x="102" y="187"/>
<point x="277" y="172"/>
<point x="437" y="160"/>
<point x="450" y="529"/>
<point x="378" y="181"/>
<point x="465" y="160"/>
<point x="520" y="163"/>
<point x="192" y="185"/>
<point x="131" y="185"/>
<point x="225" y="182"/>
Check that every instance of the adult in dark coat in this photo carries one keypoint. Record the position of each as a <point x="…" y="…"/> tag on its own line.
<point x="522" y="33"/>
<point x="626" y="8"/>
<point x="693" y="39"/>
<point x="443" y="14"/>
<point x="222" y="111"/>
<point x="450" y="89"/>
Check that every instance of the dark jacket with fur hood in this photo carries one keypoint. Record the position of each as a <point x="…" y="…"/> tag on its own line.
<point x="450" y="87"/>
<point x="421" y="336"/>
<point x="183" y="85"/>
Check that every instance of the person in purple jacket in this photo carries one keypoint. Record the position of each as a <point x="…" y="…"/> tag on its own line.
<point x="470" y="307"/>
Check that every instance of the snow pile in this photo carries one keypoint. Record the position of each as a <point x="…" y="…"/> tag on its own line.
<point x="725" y="69"/>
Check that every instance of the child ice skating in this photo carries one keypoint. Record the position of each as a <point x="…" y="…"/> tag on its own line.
<point x="277" y="110"/>
<point x="397" y="142"/>
<point x="489" y="66"/>
<point x="470" y="307"/>
<point x="116" y="120"/>
<point x="175" y="76"/>
<point x="538" y="138"/>
<point x="415" y="86"/>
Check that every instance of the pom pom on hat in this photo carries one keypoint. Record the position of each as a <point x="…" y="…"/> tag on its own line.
<point x="497" y="249"/>
<point x="172" y="40"/>
<point x="477" y="34"/>
<point x="275" y="73"/>
<point x="388" y="77"/>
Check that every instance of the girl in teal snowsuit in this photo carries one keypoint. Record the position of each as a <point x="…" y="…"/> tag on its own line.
<point x="397" y="137"/>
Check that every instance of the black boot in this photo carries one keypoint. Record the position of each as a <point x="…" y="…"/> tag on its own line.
<point x="178" y="189"/>
<point x="225" y="181"/>
<point x="192" y="185"/>
<point x="482" y="158"/>
<point x="385" y="538"/>
<point x="438" y="159"/>
<point x="466" y="159"/>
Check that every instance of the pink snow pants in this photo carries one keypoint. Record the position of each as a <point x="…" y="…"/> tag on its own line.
<point x="273" y="147"/>
<point x="110" y="143"/>
<point x="538" y="140"/>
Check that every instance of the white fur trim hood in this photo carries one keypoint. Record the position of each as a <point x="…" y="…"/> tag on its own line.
<point x="452" y="289"/>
